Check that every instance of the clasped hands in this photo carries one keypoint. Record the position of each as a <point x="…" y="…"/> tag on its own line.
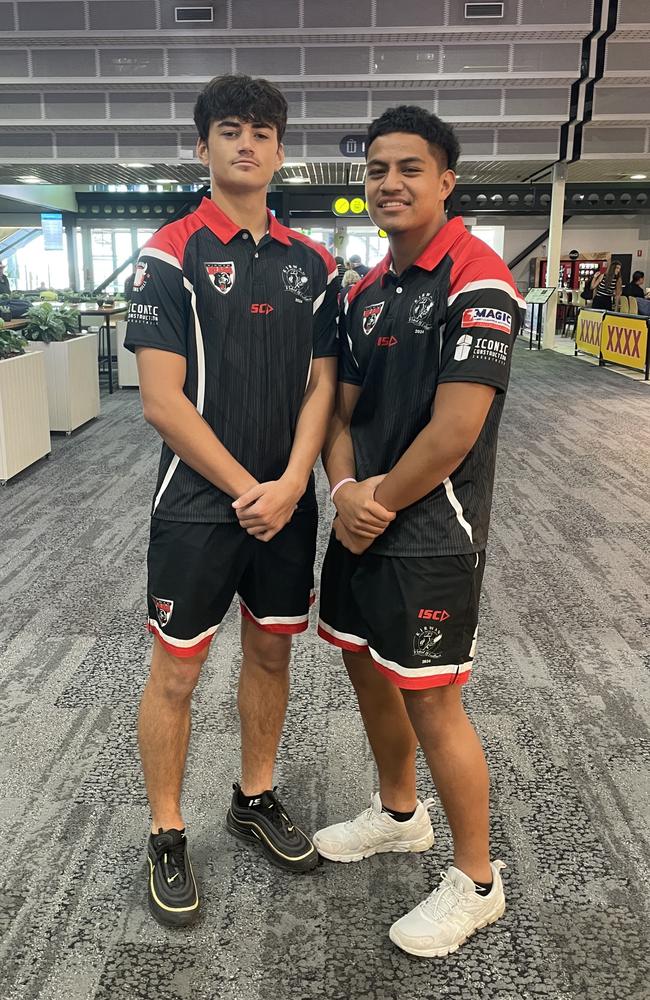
<point x="360" y="518"/>
<point x="265" y="508"/>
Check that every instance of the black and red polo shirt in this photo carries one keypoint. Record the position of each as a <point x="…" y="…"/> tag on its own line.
<point x="248" y="319"/>
<point x="451" y="317"/>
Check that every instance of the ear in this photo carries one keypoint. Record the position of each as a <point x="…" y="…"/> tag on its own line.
<point x="447" y="183"/>
<point x="279" y="157"/>
<point x="202" y="151"/>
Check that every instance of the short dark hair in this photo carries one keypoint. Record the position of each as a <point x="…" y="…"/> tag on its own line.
<point x="410" y="118"/>
<point x="637" y="275"/>
<point x="240" y="96"/>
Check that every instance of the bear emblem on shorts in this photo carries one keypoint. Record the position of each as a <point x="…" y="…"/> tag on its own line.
<point x="164" y="610"/>
<point x="426" y="642"/>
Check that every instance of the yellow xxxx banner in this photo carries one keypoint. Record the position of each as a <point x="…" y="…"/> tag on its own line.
<point x="588" y="331"/>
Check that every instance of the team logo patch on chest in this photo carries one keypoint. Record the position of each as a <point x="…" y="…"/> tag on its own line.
<point x="296" y="281"/>
<point x="370" y="317"/>
<point x="421" y="312"/>
<point x="491" y="319"/>
<point x="221" y="274"/>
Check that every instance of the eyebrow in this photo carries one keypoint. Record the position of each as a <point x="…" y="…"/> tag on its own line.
<point x="231" y="123"/>
<point x="401" y="163"/>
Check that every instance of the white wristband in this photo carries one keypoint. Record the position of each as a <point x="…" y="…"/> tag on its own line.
<point x="339" y="485"/>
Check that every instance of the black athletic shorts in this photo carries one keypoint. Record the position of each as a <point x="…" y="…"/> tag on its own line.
<point x="196" y="569"/>
<point x="416" y="616"/>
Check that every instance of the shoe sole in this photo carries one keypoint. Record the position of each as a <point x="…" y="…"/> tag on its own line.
<point x="410" y="847"/>
<point x="449" y="949"/>
<point x="296" y="868"/>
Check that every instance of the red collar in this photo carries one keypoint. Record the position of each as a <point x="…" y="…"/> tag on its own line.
<point x="223" y="227"/>
<point x="440" y="245"/>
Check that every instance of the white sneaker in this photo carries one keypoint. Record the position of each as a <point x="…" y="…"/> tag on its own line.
<point x="375" y="832"/>
<point x="449" y="915"/>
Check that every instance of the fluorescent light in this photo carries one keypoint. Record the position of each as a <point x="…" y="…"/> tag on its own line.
<point x="638" y="177"/>
<point x="136" y="165"/>
<point x="163" y="180"/>
<point x="30" y="179"/>
<point x="295" y="165"/>
<point x="297" y="180"/>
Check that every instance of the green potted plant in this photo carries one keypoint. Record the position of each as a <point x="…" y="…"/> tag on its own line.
<point x="24" y="423"/>
<point x="70" y="364"/>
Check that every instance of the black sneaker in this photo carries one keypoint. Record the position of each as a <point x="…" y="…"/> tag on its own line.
<point x="173" y="896"/>
<point x="267" y="824"/>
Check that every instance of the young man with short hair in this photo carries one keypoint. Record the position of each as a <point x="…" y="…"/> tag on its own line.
<point x="233" y="318"/>
<point x="426" y="340"/>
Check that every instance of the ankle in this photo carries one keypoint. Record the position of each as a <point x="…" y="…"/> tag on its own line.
<point x="478" y="871"/>
<point x="167" y="821"/>
<point x="396" y="800"/>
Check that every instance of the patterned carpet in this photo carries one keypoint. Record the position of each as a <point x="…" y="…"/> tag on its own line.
<point x="561" y="697"/>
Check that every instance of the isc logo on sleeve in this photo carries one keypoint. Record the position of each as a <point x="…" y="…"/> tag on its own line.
<point x="491" y="319"/>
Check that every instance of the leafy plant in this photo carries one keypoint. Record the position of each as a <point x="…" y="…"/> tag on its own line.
<point x="71" y="319"/>
<point x="48" y="295"/>
<point x="45" y="323"/>
<point x="11" y="345"/>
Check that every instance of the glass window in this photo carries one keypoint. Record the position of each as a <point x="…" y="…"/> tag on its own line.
<point x="36" y="267"/>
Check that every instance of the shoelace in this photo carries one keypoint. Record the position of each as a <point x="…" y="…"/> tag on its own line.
<point x="443" y="899"/>
<point x="173" y="857"/>
<point x="370" y="817"/>
<point x="277" y="814"/>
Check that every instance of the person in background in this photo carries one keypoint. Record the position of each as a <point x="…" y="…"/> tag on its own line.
<point x="607" y="287"/>
<point x="340" y="264"/>
<point x="355" y="264"/>
<point x="635" y="286"/>
<point x="350" y="278"/>
<point x="5" y="287"/>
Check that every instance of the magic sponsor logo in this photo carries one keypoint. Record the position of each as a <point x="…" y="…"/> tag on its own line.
<point x="490" y="319"/>
<point x="139" y="312"/>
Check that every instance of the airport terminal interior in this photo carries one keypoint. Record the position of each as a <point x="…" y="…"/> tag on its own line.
<point x="550" y="102"/>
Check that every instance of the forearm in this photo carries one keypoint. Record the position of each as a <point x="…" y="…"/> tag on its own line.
<point x="311" y="430"/>
<point x="338" y="452"/>
<point x="189" y="436"/>
<point x="424" y="465"/>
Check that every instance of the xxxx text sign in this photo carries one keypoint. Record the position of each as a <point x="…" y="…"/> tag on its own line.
<point x="588" y="331"/>
<point x="624" y="341"/>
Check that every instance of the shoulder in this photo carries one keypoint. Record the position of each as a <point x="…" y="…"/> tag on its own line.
<point x="476" y="266"/>
<point x="170" y="242"/>
<point x="369" y="279"/>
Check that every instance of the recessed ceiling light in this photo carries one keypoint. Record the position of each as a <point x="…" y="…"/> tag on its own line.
<point x="638" y="177"/>
<point x="30" y="179"/>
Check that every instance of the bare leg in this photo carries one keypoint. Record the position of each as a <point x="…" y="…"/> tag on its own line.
<point x="164" y="732"/>
<point x="459" y="772"/>
<point x="389" y="731"/>
<point x="262" y="703"/>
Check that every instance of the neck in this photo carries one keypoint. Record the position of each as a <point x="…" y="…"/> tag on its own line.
<point x="406" y="247"/>
<point x="248" y="211"/>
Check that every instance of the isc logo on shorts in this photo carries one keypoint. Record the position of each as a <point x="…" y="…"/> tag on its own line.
<point x="492" y="319"/>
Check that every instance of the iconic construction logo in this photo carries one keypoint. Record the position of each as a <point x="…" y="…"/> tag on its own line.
<point x="221" y="274"/>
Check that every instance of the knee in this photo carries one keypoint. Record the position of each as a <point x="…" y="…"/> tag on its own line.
<point x="441" y="708"/>
<point x="267" y="650"/>
<point x="175" y="678"/>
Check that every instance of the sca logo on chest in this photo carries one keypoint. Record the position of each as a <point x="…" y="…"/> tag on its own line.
<point x="370" y="317"/>
<point x="221" y="274"/>
<point x="491" y="319"/>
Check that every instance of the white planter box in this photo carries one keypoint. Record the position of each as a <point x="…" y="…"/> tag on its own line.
<point x="72" y="381"/>
<point x="24" y="424"/>
<point x="127" y="368"/>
